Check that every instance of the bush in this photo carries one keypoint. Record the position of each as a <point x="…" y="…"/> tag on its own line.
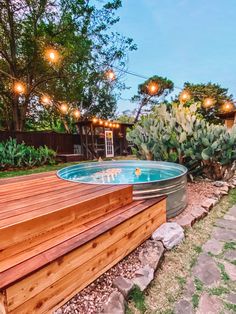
<point x="14" y="155"/>
<point x="178" y="134"/>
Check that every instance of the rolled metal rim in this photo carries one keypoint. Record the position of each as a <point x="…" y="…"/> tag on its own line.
<point x="153" y="164"/>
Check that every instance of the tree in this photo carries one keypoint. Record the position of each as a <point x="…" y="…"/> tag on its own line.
<point x="150" y="92"/>
<point x="80" y="36"/>
<point x="214" y="93"/>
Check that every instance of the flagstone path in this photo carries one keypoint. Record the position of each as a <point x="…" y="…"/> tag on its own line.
<point x="211" y="288"/>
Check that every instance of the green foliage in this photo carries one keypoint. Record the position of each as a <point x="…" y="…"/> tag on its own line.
<point x="145" y="98"/>
<point x="177" y="134"/>
<point x="137" y="296"/>
<point x="195" y="300"/>
<point x="81" y="31"/>
<point x="230" y="246"/>
<point x="199" y="92"/>
<point x="14" y="155"/>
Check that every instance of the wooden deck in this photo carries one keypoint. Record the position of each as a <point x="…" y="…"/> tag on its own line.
<point x="59" y="236"/>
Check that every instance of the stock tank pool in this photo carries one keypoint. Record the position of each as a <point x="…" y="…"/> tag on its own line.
<point x="149" y="179"/>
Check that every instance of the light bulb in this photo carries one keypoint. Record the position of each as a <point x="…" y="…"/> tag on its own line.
<point x="19" y="88"/>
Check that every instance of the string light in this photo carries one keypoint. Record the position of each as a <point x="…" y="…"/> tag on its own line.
<point x="184" y="96"/>
<point x="110" y="75"/>
<point x="152" y="88"/>
<point x="208" y="102"/>
<point x="76" y="113"/>
<point x="45" y="100"/>
<point x="95" y="120"/>
<point x="19" y="88"/>
<point x="100" y="122"/>
<point x="64" y="108"/>
<point x="106" y="123"/>
<point x="227" y="106"/>
<point x="52" y="55"/>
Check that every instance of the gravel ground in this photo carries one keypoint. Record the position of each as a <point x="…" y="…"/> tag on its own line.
<point x="92" y="298"/>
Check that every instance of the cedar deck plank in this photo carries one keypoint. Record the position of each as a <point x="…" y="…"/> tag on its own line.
<point x="65" y="287"/>
<point x="20" y="252"/>
<point x="27" y="177"/>
<point x="79" y="210"/>
<point x="20" y="270"/>
<point x="55" y="207"/>
<point x="13" y="208"/>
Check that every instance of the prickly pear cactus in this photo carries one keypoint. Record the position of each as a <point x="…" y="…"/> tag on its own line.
<point x="178" y="134"/>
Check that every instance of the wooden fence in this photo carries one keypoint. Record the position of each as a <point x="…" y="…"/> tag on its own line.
<point x="61" y="143"/>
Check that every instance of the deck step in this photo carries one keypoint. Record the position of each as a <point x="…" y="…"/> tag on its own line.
<point x="57" y="208"/>
<point x="40" y="279"/>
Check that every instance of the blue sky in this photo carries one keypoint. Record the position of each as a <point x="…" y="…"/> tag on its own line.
<point x="184" y="40"/>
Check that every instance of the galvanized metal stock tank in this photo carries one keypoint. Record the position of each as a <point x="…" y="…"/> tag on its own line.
<point x="174" y="187"/>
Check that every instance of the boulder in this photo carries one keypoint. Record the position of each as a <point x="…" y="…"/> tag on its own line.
<point x="143" y="277"/>
<point x="124" y="285"/>
<point x="115" y="304"/>
<point x="152" y="254"/>
<point x="170" y="234"/>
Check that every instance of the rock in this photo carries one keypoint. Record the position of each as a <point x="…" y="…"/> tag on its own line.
<point x="170" y="234"/>
<point x="208" y="203"/>
<point x="209" y="305"/>
<point x="186" y="221"/>
<point x="206" y="270"/>
<point x="230" y="255"/>
<point x="225" y="223"/>
<point x="230" y="269"/>
<point x="189" y="289"/>
<point x="124" y="285"/>
<point x="213" y="246"/>
<point x="231" y="298"/>
<point x="115" y="304"/>
<point x="198" y="212"/>
<point x="143" y="277"/>
<point x="152" y="254"/>
<point x="229" y="217"/>
<point x="223" y="234"/>
<point x="232" y="211"/>
<point x="183" y="307"/>
<point x="224" y="189"/>
<point x="219" y="184"/>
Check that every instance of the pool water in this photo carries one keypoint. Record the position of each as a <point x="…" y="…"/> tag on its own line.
<point x="118" y="172"/>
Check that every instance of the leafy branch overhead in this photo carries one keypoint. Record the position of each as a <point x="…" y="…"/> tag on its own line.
<point x="81" y="32"/>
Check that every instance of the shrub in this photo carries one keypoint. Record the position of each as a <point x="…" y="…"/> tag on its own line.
<point x="178" y="134"/>
<point x="14" y="155"/>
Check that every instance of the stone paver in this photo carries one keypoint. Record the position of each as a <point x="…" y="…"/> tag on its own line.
<point x="222" y="234"/>
<point x="230" y="270"/>
<point x="231" y="298"/>
<point x="183" y="307"/>
<point x="230" y="255"/>
<point x="209" y="287"/>
<point x="213" y="246"/>
<point x="225" y="223"/>
<point x="209" y="305"/>
<point x="207" y="271"/>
